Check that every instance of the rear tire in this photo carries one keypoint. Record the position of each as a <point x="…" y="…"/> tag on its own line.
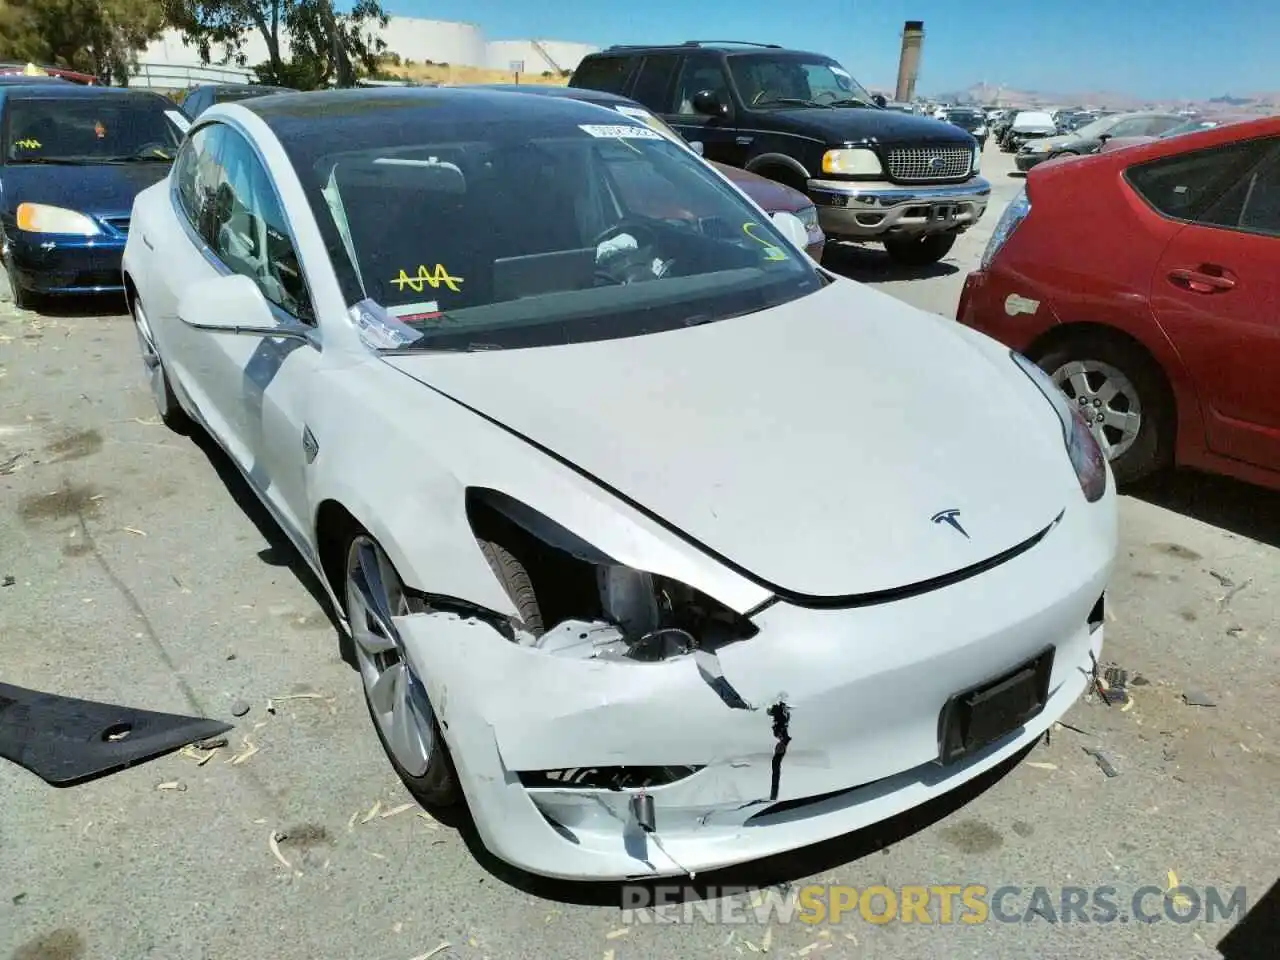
<point x="920" y="251"/>
<point x="1102" y="364"/>
<point x="171" y="412"/>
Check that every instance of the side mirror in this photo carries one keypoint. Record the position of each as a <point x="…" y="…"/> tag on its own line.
<point x="1104" y="137"/>
<point x="233" y="304"/>
<point x="879" y="100"/>
<point x="708" y="102"/>
<point x="791" y="227"/>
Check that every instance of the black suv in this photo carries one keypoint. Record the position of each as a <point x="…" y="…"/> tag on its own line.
<point x="800" y="118"/>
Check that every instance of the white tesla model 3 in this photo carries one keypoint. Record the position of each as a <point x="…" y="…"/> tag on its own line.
<point x="660" y="546"/>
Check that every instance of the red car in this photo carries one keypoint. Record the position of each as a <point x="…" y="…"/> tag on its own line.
<point x="1146" y="282"/>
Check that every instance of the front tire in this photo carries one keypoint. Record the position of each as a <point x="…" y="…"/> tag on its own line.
<point x="1123" y="394"/>
<point x="920" y="251"/>
<point x="397" y="700"/>
<point x="23" y="298"/>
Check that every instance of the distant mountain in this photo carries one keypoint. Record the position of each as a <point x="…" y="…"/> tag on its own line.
<point x="986" y="93"/>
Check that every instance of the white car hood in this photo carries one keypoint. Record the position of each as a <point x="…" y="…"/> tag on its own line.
<point x="810" y="446"/>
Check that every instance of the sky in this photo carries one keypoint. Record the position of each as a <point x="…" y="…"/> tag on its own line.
<point x="1190" y="49"/>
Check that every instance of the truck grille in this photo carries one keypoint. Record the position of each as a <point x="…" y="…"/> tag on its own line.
<point x="909" y="164"/>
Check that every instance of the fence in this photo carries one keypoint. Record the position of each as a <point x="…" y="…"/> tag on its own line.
<point x="179" y="76"/>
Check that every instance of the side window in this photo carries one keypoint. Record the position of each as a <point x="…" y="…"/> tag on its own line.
<point x="1133" y="127"/>
<point x="1185" y="185"/>
<point x="1158" y="125"/>
<point x="700" y="72"/>
<point x="654" y="81"/>
<point x="1253" y="204"/>
<point x="250" y="235"/>
<point x="606" y="74"/>
<point x="196" y="174"/>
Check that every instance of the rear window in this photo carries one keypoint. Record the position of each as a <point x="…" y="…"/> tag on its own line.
<point x="1185" y="185"/>
<point x="607" y="74"/>
<point x="106" y="129"/>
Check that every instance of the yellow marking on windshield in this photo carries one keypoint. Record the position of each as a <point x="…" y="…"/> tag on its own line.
<point x="426" y="276"/>
<point x="27" y="144"/>
<point x="771" y="252"/>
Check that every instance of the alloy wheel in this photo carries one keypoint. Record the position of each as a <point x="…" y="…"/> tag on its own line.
<point x="1108" y="401"/>
<point x="397" y="698"/>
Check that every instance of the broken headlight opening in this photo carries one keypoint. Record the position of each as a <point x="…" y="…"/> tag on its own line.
<point x="592" y="607"/>
<point x="589" y="606"/>
<point x="1082" y="446"/>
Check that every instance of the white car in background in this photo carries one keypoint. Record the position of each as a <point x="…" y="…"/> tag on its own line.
<point x="660" y="546"/>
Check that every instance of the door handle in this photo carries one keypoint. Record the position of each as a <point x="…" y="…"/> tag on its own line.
<point x="1198" y="281"/>
<point x="147" y="242"/>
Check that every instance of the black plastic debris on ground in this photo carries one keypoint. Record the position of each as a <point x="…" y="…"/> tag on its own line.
<point x="65" y="741"/>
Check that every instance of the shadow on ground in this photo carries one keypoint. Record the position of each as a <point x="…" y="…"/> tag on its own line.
<point x="280" y="551"/>
<point x="1257" y="936"/>
<point x="780" y="871"/>
<point x="91" y="305"/>
<point x="1239" y="508"/>
<point x="873" y="265"/>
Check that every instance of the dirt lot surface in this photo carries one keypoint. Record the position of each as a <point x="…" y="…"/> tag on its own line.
<point x="137" y="569"/>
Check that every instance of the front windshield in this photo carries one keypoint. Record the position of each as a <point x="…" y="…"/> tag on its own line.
<point x="1095" y="129"/>
<point x="488" y="236"/>
<point x="770" y="80"/>
<point x="1191" y="126"/>
<point x="103" y="129"/>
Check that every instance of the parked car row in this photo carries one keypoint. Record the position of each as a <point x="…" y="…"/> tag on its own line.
<point x="1091" y="137"/>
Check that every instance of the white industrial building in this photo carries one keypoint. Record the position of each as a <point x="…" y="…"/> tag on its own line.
<point x="168" y="62"/>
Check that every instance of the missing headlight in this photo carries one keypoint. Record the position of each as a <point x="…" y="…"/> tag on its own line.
<point x="587" y="604"/>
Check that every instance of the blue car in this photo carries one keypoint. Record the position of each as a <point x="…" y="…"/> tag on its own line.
<point x="72" y="158"/>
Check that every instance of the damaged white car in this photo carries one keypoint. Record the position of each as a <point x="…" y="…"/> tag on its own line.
<point x="660" y="547"/>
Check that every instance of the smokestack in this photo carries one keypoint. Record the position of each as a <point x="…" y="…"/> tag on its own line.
<point x="909" y="64"/>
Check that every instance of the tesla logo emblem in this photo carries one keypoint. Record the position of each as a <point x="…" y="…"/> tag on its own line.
<point x="952" y="519"/>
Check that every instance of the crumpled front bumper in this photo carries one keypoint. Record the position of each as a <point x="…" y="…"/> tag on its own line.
<point x="863" y="690"/>
<point x="868" y="211"/>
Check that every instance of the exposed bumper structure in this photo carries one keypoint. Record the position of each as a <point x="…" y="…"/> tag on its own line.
<point x="869" y="211"/>
<point x="830" y="720"/>
<point x="68" y="265"/>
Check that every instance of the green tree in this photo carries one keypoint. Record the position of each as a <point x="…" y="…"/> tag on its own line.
<point x="102" y="37"/>
<point x="324" y="45"/>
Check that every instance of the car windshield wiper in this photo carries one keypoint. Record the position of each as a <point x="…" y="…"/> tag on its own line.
<point x="152" y="159"/>
<point x="850" y="102"/>
<point x="793" y="101"/>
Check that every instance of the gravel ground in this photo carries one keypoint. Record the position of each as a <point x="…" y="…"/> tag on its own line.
<point x="138" y="570"/>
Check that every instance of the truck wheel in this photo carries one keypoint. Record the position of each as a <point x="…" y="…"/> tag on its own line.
<point x="920" y="251"/>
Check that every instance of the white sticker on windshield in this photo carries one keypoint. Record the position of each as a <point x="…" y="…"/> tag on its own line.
<point x="379" y="329"/>
<point x="179" y="120"/>
<point x="625" y="131"/>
